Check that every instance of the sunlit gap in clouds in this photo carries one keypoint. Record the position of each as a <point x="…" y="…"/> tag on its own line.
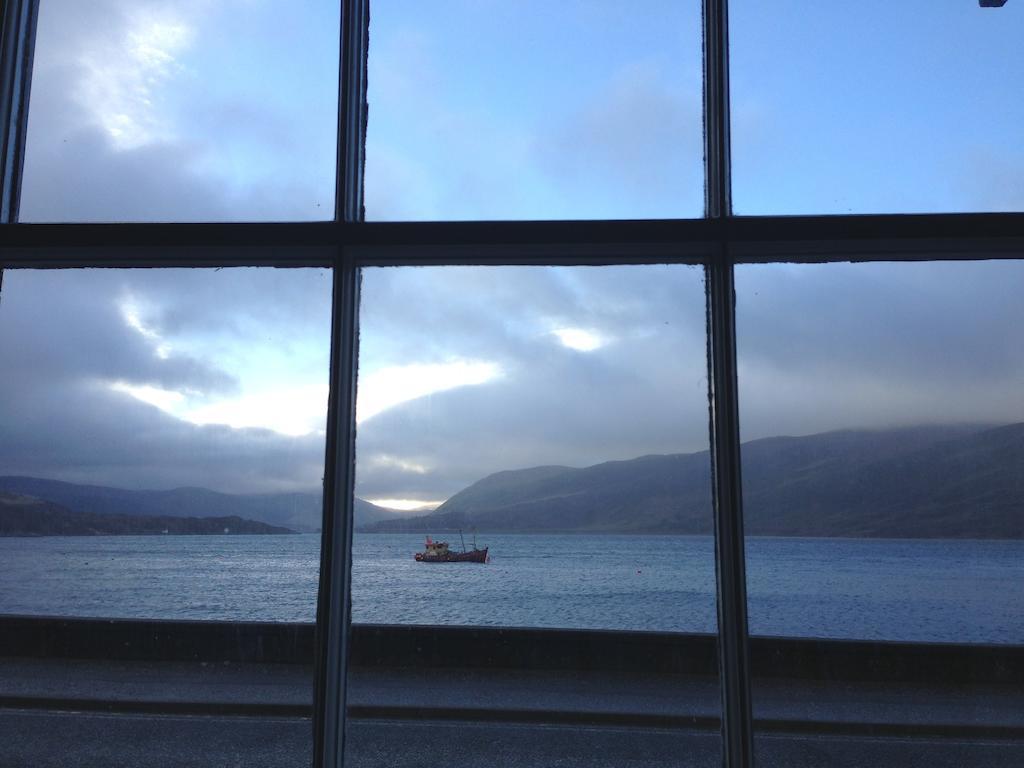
<point x="164" y="399"/>
<point x="298" y="409"/>
<point x="387" y="461"/>
<point x="393" y="385"/>
<point x="130" y="313"/>
<point x="295" y="411"/>
<point x="291" y="409"/>
<point x="407" y="505"/>
<point x="390" y="386"/>
<point x="579" y="339"/>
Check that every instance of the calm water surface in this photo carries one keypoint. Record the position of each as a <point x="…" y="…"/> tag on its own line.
<point x="949" y="591"/>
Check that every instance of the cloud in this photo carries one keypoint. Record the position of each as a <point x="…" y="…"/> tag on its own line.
<point x="646" y="393"/>
<point x="93" y="395"/>
<point x="579" y="339"/>
<point x="387" y="387"/>
<point x="120" y="86"/>
<point x="993" y="178"/>
<point x="639" y="141"/>
<point x="89" y="396"/>
<point x="65" y="326"/>
<point x="94" y="435"/>
<point x="142" y="111"/>
<point x="821" y="347"/>
<point x="871" y="345"/>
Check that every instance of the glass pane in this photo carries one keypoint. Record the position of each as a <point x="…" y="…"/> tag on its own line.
<point x="882" y="467"/>
<point x="160" y="495"/>
<point x="876" y="107"/>
<point x="550" y="424"/>
<point x="184" y="111"/>
<point x="534" y="110"/>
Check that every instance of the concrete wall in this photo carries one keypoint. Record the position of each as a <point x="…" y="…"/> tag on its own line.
<point x="495" y="647"/>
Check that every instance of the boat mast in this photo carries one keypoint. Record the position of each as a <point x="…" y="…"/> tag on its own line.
<point x="462" y="540"/>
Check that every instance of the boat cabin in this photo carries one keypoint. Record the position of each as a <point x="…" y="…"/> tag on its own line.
<point x="438" y="548"/>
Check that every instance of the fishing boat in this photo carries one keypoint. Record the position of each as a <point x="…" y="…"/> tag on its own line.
<point x="439" y="552"/>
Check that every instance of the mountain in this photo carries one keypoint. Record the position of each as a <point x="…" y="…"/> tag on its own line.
<point x="366" y="513"/>
<point x="297" y="511"/>
<point x="924" y="482"/>
<point x="29" y="516"/>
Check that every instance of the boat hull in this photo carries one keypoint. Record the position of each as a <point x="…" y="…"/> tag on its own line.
<point x="473" y="556"/>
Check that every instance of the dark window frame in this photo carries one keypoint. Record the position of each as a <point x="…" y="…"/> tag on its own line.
<point x="718" y="242"/>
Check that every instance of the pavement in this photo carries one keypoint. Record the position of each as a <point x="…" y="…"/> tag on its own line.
<point x="77" y="714"/>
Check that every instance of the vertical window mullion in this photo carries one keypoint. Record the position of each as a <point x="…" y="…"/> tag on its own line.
<point x="355" y="31"/>
<point x="734" y="663"/>
<point x="16" y="50"/>
<point x="334" y="609"/>
<point x="717" y="171"/>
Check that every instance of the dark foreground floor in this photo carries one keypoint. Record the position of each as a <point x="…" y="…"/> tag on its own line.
<point x="44" y="739"/>
<point x="78" y="714"/>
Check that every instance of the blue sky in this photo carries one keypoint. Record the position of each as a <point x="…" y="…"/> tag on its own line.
<point x="483" y="109"/>
<point x="534" y="110"/>
<point x="877" y="107"/>
<point x="197" y="110"/>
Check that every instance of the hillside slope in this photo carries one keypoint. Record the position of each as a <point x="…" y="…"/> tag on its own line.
<point x="926" y="482"/>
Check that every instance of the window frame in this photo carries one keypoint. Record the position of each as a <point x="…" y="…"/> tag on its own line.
<point x="718" y="243"/>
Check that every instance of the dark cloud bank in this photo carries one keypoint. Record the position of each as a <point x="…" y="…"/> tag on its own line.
<point x="823" y="347"/>
<point x="64" y="340"/>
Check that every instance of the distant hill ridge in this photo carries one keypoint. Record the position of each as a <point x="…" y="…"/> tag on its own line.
<point x="297" y="511"/>
<point x="29" y="516"/>
<point x="920" y="482"/>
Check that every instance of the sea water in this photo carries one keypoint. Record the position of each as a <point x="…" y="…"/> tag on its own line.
<point x="930" y="591"/>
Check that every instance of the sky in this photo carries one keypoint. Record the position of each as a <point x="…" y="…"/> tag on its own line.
<point x="202" y="110"/>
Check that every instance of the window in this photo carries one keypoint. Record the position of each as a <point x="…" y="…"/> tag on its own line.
<point x="570" y="111"/>
<point x="152" y="112"/>
<point x="867" y="108"/>
<point x="584" y="115"/>
<point x="559" y="413"/>
<point x="124" y="381"/>
<point x="901" y="473"/>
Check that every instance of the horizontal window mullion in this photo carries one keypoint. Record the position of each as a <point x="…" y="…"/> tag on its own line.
<point x="776" y="234"/>
<point x="144" y="256"/>
<point x="749" y="240"/>
<point x="882" y="249"/>
<point x="104" y="236"/>
<point x="551" y="254"/>
<point x="472" y="233"/>
<point x="359" y="233"/>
